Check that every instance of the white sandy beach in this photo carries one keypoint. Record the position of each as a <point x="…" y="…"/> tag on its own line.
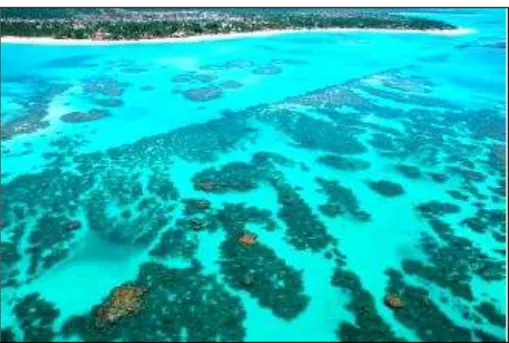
<point x="201" y="38"/>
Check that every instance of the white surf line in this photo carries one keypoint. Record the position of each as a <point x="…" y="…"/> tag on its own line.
<point x="204" y="38"/>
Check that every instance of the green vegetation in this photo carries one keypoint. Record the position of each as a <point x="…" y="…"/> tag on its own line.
<point x="144" y="23"/>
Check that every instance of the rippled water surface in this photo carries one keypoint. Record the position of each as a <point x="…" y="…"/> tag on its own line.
<point x="317" y="186"/>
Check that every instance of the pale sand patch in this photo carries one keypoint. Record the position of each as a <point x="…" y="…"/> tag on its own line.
<point x="202" y="38"/>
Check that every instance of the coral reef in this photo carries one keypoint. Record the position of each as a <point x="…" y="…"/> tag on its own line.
<point x="437" y="208"/>
<point x="343" y="163"/>
<point x="80" y="117"/>
<point x="386" y="188"/>
<point x="488" y="311"/>
<point x="230" y="84"/>
<point x="36" y="317"/>
<point x="123" y="301"/>
<point x="270" y="69"/>
<point x="369" y="326"/>
<point x="273" y="283"/>
<point x="304" y="229"/>
<point x="393" y="301"/>
<point x="411" y="172"/>
<point x="341" y="199"/>
<point x="203" y="93"/>
<point x="104" y="86"/>
<point x="179" y="304"/>
<point x="419" y="306"/>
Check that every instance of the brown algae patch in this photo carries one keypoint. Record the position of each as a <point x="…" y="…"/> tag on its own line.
<point x="123" y="301"/>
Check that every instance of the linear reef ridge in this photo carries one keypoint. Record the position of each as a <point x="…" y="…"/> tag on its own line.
<point x="149" y="24"/>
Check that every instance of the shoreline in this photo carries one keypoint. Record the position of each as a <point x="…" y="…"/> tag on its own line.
<point x="222" y="36"/>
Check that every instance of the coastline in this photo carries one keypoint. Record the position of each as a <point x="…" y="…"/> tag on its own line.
<point x="226" y="36"/>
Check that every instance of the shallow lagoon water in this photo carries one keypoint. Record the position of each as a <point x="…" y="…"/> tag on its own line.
<point x="122" y="138"/>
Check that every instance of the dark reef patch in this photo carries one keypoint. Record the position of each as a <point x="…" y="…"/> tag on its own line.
<point x="341" y="200"/>
<point x="232" y="64"/>
<point x="176" y="243"/>
<point x="452" y="263"/>
<point x="335" y="96"/>
<point x="150" y="217"/>
<point x="36" y="317"/>
<point x="315" y="134"/>
<point x="179" y="305"/>
<point x="49" y="242"/>
<point x="440" y="274"/>
<point x="236" y="176"/>
<point x="484" y="220"/>
<point x="203" y="93"/>
<point x="411" y="172"/>
<point x="343" y="163"/>
<point x="194" y="77"/>
<point x="198" y="142"/>
<point x="437" y="208"/>
<point x="467" y="174"/>
<point x="438" y="177"/>
<point x="458" y="195"/>
<point x="9" y="254"/>
<point x="491" y="126"/>
<point x="7" y="335"/>
<point x="386" y="188"/>
<point x="304" y="229"/>
<point x="272" y="282"/>
<point x="471" y="188"/>
<point x="419" y="306"/>
<point x="9" y="258"/>
<point x="488" y="311"/>
<point x="408" y="98"/>
<point x="104" y="86"/>
<point x="231" y="84"/>
<point x="383" y="142"/>
<point x="270" y="69"/>
<point x="147" y="88"/>
<point x="195" y="206"/>
<point x="161" y="186"/>
<point x="483" y="336"/>
<point x="23" y="125"/>
<point x="80" y="117"/>
<point x="34" y="107"/>
<point x="369" y="326"/>
<point x="235" y="217"/>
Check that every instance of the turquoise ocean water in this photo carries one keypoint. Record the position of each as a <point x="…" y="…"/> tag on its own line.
<point x="366" y="166"/>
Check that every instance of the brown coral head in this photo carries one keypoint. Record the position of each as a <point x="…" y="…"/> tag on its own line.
<point x="247" y="239"/>
<point x="393" y="301"/>
<point x="124" y="301"/>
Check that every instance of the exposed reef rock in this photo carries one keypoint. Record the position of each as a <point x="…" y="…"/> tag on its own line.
<point x="178" y="305"/>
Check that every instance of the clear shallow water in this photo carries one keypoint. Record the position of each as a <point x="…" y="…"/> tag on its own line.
<point x="365" y="164"/>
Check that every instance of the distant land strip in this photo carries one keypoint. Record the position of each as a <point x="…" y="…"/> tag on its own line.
<point x="145" y="24"/>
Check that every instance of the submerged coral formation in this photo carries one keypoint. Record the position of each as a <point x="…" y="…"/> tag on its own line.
<point x="179" y="304"/>
<point x="373" y="205"/>
<point x="124" y="301"/>
<point x="386" y="188"/>
<point x="79" y="117"/>
<point x="203" y="93"/>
